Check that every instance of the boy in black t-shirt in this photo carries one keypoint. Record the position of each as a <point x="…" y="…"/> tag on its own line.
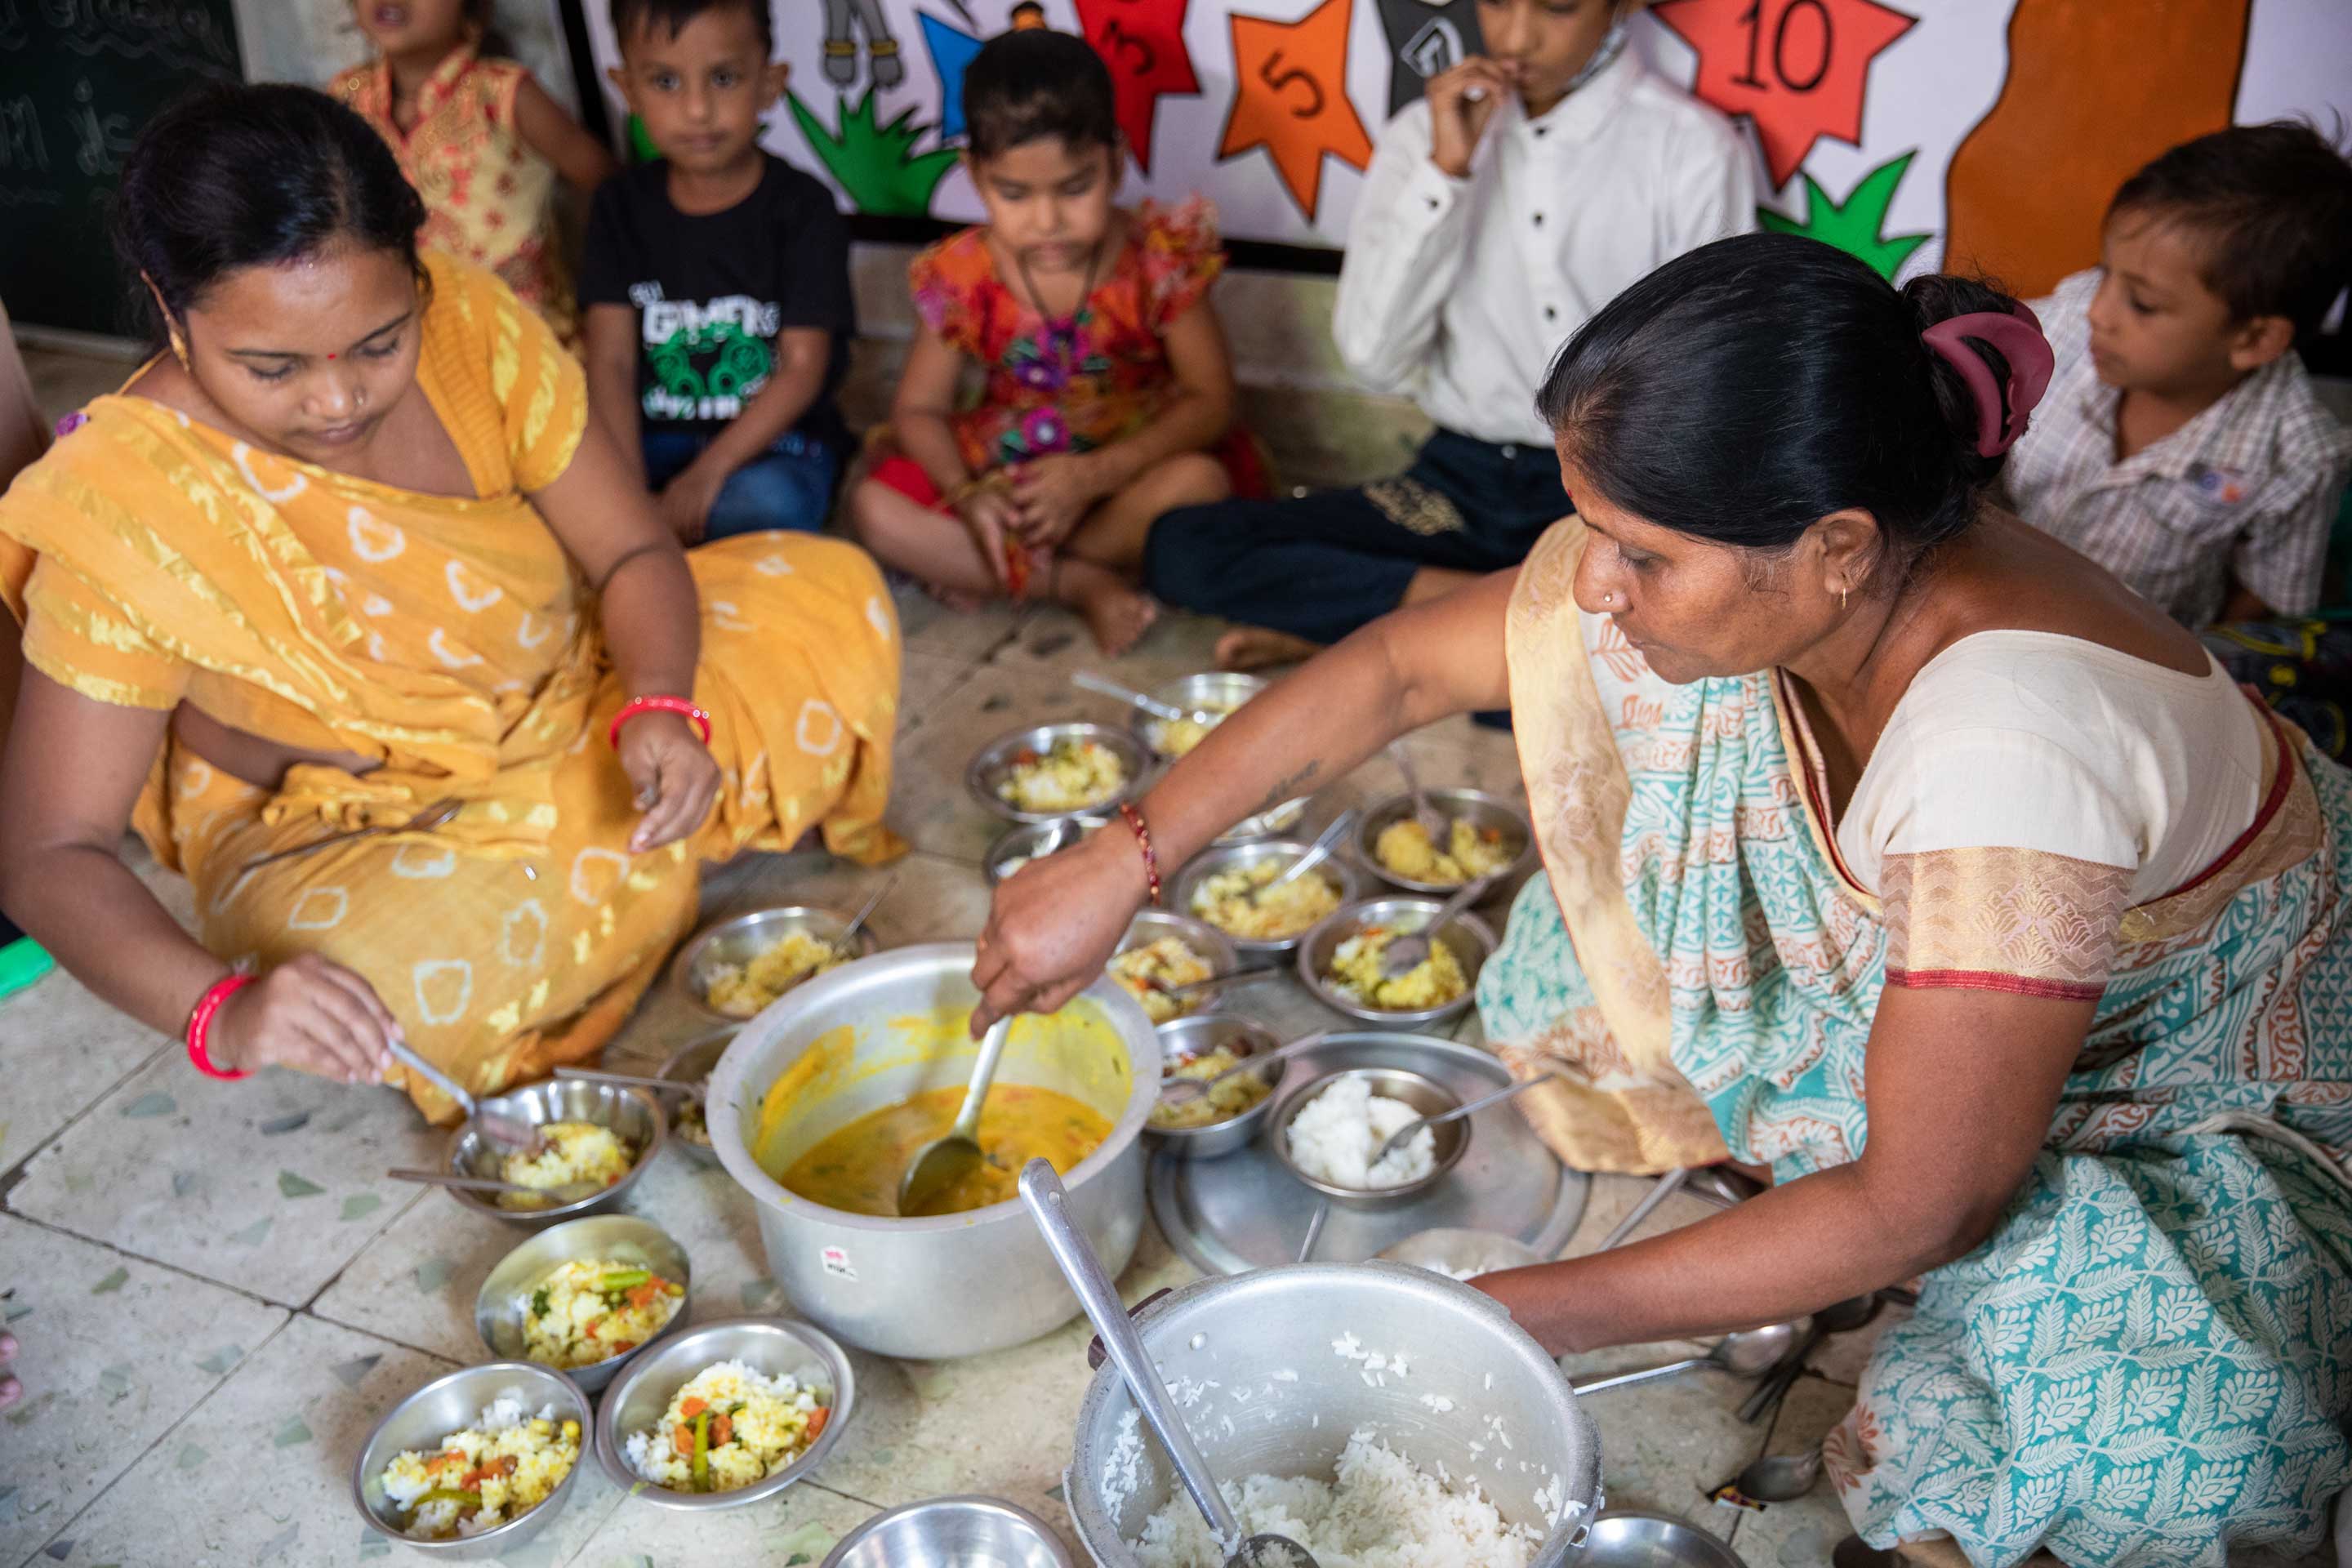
<point x="716" y="283"/>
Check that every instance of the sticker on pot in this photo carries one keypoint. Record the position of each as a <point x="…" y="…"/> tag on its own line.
<point x="836" y="1263"/>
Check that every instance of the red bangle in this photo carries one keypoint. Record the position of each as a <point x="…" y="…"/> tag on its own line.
<point x="636" y="705"/>
<point x="1134" y="820"/>
<point x="200" y="1023"/>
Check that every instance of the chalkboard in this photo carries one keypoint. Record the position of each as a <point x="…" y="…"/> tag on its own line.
<point x="77" y="79"/>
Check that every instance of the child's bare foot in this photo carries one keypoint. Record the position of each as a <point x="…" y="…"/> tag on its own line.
<point x="1255" y="648"/>
<point x="1116" y="611"/>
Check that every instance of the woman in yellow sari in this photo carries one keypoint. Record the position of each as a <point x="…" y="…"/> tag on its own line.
<point x="353" y="555"/>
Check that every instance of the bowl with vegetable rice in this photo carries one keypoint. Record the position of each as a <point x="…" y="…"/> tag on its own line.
<point x="1205" y="1126"/>
<point x="597" y="1133"/>
<point x="1227" y="889"/>
<point x="1484" y="836"/>
<point x="1058" y="769"/>
<point x="1163" y="950"/>
<point x="730" y="972"/>
<point x="476" y="1463"/>
<point x="690" y="1114"/>
<point x="725" y="1414"/>
<point x="584" y="1296"/>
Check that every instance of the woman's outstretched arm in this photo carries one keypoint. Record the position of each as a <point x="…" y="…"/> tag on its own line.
<point x="1054" y="925"/>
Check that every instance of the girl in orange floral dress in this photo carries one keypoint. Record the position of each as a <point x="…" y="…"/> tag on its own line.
<point x="1108" y="396"/>
<point x="479" y="139"/>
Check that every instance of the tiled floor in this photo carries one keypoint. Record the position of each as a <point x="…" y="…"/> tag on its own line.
<point x="218" y="1293"/>
<point x="217" y="1296"/>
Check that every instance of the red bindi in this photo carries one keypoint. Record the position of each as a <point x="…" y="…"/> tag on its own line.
<point x="331" y="356"/>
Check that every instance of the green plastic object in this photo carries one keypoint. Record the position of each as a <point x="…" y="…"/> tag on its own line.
<point x="23" y="962"/>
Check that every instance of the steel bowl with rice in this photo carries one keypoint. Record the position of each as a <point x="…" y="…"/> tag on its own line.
<point x="689" y="1117"/>
<point x="1219" y="692"/>
<point x="1421" y="1095"/>
<point x="1484" y="814"/>
<point x="455" y="1402"/>
<point x="1211" y="951"/>
<point x="1234" y="1117"/>
<point x="501" y="1307"/>
<point x="770" y="1348"/>
<point x="633" y="1115"/>
<point x="1184" y="892"/>
<point x="1468" y="939"/>
<point x="1004" y="763"/>
<point x="736" y="942"/>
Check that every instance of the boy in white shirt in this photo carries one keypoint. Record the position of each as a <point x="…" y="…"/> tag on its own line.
<point x="1526" y="188"/>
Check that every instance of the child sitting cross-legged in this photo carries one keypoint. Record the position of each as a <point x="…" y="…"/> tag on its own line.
<point x="1108" y="397"/>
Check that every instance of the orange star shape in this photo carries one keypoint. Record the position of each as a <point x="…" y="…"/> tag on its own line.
<point x="1290" y="96"/>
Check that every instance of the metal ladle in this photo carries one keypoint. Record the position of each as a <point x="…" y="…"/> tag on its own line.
<point x="1041" y="1189"/>
<point x="1743" y="1355"/>
<point x="943" y="1162"/>
<point x="1397" y="1139"/>
<point x="511" y="1133"/>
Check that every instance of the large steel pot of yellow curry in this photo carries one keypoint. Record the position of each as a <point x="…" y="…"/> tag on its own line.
<point x="822" y="1100"/>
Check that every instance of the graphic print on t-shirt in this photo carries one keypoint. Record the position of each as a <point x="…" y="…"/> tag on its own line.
<point x="703" y="360"/>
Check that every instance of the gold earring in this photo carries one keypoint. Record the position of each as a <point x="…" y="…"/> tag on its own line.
<point x="179" y="346"/>
<point x="1843" y="591"/>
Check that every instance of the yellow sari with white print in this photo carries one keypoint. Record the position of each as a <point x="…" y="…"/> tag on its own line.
<point x="153" y="560"/>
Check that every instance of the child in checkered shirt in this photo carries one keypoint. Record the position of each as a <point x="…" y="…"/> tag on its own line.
<point x="2181" y="446"/>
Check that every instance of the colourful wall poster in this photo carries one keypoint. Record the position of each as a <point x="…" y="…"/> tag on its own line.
<point x="1901" y="130"/>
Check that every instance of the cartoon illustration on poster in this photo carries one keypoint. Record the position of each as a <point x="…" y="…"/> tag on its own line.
<point x="1902" y="131"/>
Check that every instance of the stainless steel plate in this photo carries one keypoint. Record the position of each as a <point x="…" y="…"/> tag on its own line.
<point x="1245" y="1212"/>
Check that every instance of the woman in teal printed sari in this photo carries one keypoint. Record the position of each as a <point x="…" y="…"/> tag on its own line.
<point x="1890" y="845"/>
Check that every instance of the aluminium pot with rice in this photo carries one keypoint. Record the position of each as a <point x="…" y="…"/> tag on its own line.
<point x="1407" y="1389"/>
<point x="816" y="1098"/>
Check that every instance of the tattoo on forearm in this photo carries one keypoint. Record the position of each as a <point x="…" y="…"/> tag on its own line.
<point x="1286" y="788"/>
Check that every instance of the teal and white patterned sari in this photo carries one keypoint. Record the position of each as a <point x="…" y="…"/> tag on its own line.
<point x="2150" y="1361"/>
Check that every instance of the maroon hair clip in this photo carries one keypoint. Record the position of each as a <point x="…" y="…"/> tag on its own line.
<point x="2002" y="412"/>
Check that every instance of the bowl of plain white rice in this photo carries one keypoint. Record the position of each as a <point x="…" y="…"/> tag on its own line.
<point x="1325" y="1132"/>
<point x="1382" y="1416"/>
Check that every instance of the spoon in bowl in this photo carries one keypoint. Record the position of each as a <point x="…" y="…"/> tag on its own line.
<point x="511" y="1133"/>
<point x="1410" y="951"/>
<point x="1042" y="1190"/>
<point x="943" y="1162"/>
<point x="1397" y="1139"/>
<point x="1087" y="680"/>
<point x="1317" y="854"/>
<point x="691" y="1089"/>
<point x="1432" y="822"/>
<point x="562" y="1193"/>
<point x="1178" y="1090"/>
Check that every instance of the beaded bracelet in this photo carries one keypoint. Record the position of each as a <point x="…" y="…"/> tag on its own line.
<point x="1134" y="820"/>
<point x="636" y="705"/>
<point x="200" y="1024"/>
